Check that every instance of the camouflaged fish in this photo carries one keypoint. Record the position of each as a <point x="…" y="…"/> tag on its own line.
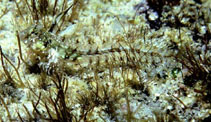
<point x="56" y="54"/>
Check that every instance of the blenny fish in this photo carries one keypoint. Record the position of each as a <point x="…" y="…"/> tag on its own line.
<point x="51" y="53"/>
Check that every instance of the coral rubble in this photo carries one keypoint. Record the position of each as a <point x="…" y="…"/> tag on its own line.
<point x="105" y="60"/>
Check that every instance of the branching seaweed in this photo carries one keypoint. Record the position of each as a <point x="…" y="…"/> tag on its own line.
<point x="7" y="110"/>
<point x="111" y="76"/>
<point x="20" y="82"/>
<point x="56" y="108"/>
<point x="198" y="65"/>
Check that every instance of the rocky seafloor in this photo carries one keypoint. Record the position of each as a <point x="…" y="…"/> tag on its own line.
<point x="105" y="60"/>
